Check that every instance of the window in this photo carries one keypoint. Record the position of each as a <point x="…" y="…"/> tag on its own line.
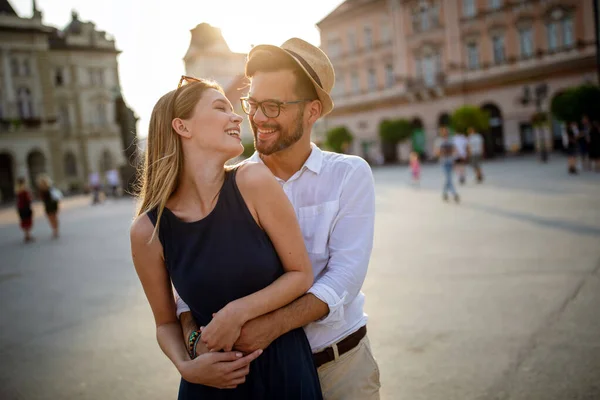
<point x="434" y="13"/>
<point x="100" y="76"/>
<point x="59" y="77"/>
<point x="389" y="75"/>
<point x="472" y="56"/>
<point x="333" y="47"/>
<point x="567" y="28"/>
<point x="552" y="34"/>
<point x="338" y="88"/>
<point x="372" y="80"/>
<point x="495" y="4"/>
<point x="25" y="103"/>
<point x="14" y="67"/>
<point x="424" y="18"/>
<point x="469" y="8"/>
<point x="498" y="46"/>
<point x="64" y="119"/>
<point x="429" y="67"/>
<point x="526" y="42"/>
<point x="101" y="112"/>
<point x="385" y="33"/>
<point x="26" y="68"/>
<point x="355" y="82"/>
<point x="70" y="165"/>
<point x="368" y="37"/>
<point x="351" y="41"/>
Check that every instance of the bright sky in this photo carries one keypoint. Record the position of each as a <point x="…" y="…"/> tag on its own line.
<point x="154" y="35"/>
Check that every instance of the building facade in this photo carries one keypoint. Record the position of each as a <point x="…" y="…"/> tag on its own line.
<point x="57" y="102"/>
<point x="422" y="59"/>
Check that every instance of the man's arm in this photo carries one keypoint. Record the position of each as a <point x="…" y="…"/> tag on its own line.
<point x="350" y="244"/>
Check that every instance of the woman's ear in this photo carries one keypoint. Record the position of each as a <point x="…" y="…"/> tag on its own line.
<point x="180" y="128"/>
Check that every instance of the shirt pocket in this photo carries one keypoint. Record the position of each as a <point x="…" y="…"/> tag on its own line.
<point x="315" y="222"/>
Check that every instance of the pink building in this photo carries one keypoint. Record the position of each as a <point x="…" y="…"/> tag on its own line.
<point x="421" y="59"/>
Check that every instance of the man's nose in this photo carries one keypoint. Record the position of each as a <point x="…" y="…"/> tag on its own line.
<point x="259" y="116"/>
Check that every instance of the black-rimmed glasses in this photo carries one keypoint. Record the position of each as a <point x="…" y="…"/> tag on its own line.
<point x="270" y="108"/>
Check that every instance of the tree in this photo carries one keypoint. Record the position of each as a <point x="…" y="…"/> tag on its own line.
<point x="391" y="133"/>
<point x="575" y="102"/>
<point x="467" y="116"/>
<point x="337" y="138"/>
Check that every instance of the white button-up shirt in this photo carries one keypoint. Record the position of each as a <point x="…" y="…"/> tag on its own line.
<point x="334" y="199"/>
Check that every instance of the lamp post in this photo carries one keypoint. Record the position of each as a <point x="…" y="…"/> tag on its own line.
<point x="540" y="92"/>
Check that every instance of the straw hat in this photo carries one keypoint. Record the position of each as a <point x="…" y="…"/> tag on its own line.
<point x="313" y="61"/>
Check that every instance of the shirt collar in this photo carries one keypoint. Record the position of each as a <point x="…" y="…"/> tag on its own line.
<point x="314" y="162"/>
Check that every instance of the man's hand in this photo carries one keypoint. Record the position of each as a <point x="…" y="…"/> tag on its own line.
<point x="224" y="329"/>
<point x="257" y="334"/>
<point x="219" y="370"/>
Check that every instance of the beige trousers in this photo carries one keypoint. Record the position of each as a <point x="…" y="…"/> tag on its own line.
<point x="352" y="376"/>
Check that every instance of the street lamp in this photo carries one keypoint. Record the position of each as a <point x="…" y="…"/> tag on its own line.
<point x="540" y="92"/>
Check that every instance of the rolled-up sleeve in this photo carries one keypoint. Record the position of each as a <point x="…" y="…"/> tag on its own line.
<point x="181" y="305"/>
<point x="350" y="245"/>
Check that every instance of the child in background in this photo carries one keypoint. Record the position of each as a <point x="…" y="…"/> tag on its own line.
<point x="415" y="168"/>
<point x="24" y="209"/>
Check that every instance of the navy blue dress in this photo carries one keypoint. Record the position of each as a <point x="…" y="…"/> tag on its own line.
<point x="221" y="258"/>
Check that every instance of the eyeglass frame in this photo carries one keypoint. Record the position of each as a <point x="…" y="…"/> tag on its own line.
<point x="188" y="79"/>
<point x="259" y="104"/>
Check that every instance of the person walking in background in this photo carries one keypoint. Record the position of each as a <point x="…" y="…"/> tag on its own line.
<point x="594" y="145"/>
<point x="24" y="209"/>
<point x="415" y="168"/>
<point x="445" y="150"/>
<point x="460" y="146"/>
<point x="570" y="143"/>
<point x="583" y="138"/>
<point x="51" y="197"/>
<point x="475" y="152"/>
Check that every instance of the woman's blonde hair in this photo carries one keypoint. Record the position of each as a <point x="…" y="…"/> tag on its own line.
<point x="158" y="176"/>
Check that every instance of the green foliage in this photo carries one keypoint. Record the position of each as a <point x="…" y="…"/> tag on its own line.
<point x="539" y="119"/>
<point x="575" y="102"/>
<point x="336" y="138"/>
<point x="248" y="149"/>
<point x="395" y="131"/>
<point x="467" y="116"/>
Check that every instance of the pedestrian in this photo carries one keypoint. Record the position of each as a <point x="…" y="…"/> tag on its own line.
<point x="476" y="152"/>
<point x="594" y="145"/>
<point x="333" y="196"/>
<point x="583" y="139"/>
<point x="415" y="167"/>
<point x="51" y="197"/>
<point x="95" y="186"/>
<point x="193" y="209"/>
<point x="24" y="209"/>
<point x="570" y="143"/>
<point x="460" y="146"/>
<point x="445" y="150"/>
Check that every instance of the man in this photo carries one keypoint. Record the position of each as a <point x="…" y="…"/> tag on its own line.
<point x="445" y="151"/>
<point x="476" y="152"/>
<point x="334" y="198"/>
<point x="460" y="146"/>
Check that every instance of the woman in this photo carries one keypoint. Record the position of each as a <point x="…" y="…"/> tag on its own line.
<point x="24" y="209"/>
<point x="50" y="200"/>
<point x="594" y="147"/>
<point x="227" y="239"/>
<point x="570" y="143"/>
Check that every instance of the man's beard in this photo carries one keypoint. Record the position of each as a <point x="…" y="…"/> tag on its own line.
<point x="285" y="138"/>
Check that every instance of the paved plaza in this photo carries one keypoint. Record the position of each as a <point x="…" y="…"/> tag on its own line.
<point x="495" y="298"/>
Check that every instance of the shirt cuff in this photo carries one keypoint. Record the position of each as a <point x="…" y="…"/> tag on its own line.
<point x="181" y="306"/>
<point x="335" y="319"/>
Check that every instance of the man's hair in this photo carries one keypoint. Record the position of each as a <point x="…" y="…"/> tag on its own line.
<point x="269" y="61"/>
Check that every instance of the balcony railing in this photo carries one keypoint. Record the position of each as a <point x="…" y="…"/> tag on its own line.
<point x="15" y="124"/>
<point x="417" y="84"/>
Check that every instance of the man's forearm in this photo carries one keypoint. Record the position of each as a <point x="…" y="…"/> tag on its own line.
<point x="299" y="313"/>
<point x="188" y="325"/>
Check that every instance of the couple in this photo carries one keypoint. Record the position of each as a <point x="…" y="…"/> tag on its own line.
<point x="262" y="249"/>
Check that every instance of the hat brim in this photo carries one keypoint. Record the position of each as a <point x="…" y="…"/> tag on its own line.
<point x="324" y="97"/>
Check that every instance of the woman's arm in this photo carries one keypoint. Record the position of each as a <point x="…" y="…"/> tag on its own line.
<point x="273" y="212"/>
<point x="221" y="370"/>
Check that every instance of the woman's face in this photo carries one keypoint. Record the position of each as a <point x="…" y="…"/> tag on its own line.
<point x="214" y="126"/>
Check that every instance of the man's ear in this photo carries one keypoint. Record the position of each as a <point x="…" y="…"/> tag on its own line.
<point x="180" y="128"/>
<point x="314" y="111"/>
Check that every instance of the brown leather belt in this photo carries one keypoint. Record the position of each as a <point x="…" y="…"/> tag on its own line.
<point x="344" y="346"/>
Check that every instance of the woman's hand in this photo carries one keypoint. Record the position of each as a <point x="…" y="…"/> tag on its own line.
<point x="219" y="370"/>
<point x="224" y="329"/>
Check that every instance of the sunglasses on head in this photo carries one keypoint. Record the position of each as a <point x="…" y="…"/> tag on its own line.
<point x="187" y="79"/>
